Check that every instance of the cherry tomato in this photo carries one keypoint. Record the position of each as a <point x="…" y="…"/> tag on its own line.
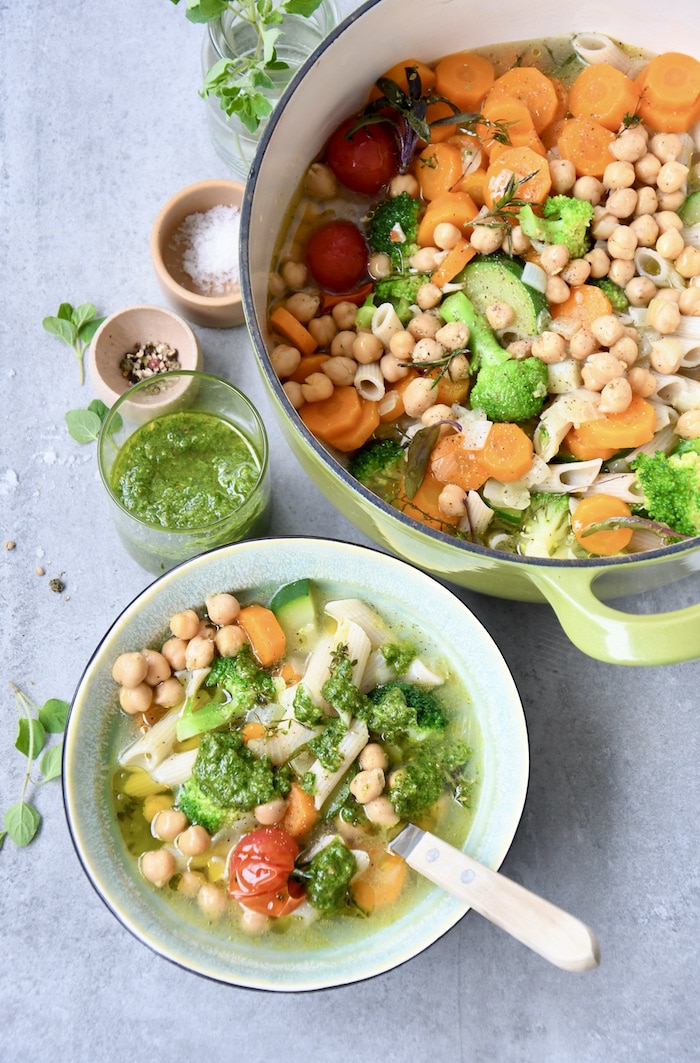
<point x="366" y="161"/>
<point x="259" y="871"/>
<point x="337" y="256"/>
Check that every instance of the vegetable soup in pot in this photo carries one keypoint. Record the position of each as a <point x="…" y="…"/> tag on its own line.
<point x="486" y="300"/>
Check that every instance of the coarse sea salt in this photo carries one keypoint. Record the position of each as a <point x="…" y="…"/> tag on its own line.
<point x="210" y="257"/>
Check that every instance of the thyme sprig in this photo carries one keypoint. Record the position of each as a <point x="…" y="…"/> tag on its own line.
<point x="501" y="213"/>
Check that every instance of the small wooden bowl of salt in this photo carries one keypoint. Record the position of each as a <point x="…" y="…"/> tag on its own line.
<point x="194" y="247"/>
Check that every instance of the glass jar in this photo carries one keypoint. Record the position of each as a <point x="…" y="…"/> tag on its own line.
<point x="227" y="37"/>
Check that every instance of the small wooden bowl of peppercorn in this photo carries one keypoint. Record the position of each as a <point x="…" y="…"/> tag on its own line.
<point x="194" y="248"/>
<point x="137" y="343"/>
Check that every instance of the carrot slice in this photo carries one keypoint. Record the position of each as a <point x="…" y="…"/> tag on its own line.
<point x="562" y="94"/>
<point x="507" y="117"/>
<point x="449" y="391"/>
<point x="329" y="299"/>
<point x="586" y="302"/>
<point x="603" y="93"/>
<point x="310" y="363"/>
<point x="533" y="88"/>
<point x="592" y="510"/>
<point x="605" y="436"/>
<point x="550" y="136"/>
<point x="439" y="167"/>
<point x="523" y="163"/>
<point x="264" y="632"/>
<point x="458" y="208"/>
<point x="381" y="883"/>
<point x="507" y="453"/>
<point x="252" y="729"/>
<point x="424" y="504"/>
<point x="474" y="184"/>
<point x="464" y="78"/>
<point x="454" y="463"/>
<point x="397" y="74"/>
<point x="301" y="813"/>
<point x="586" y="143"/>
<point x="434" y="112"/>
<point x="332" y="416"/>
<point x="672" y="81"/>
<point x="391" y="407"/>
<point x="453" y="263"/>
<point x="363" y="428"/>
<point x="288" y="326"/>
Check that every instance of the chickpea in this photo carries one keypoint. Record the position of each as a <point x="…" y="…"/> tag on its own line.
<point x="446" y="235"/>
<point x="640" y="291"/>
<point x="341" y="370"/>
<point x="626" y="350"/>
<point x="206" y="630"/>
<point x="557" y="290"/>
<point x="428" y="296"/>
<point x="401" y="345"/>
<point x="516" y="242"/>
<point x="294" y="274"/>
<point x="293" y="392"/>
<point x="668" y="219"/>
<point x="270" y="812"/>
<point x="230" y="639"/>
<point x="157" y="866"/>
<point x="130" y="669"/>
<point x="642" y="382"/>
<point x="646" y="229"/>
<point x="425" y="259"/>
<point x="629" y="146"/>
<point x="688" y="425"/>
<point x="381" y="811"/>
<point x="373" y="756"/>
<point x="190" y="883"/>
<point x="379" y="265"/>
<point x="615" y="396"/>
<point x="647" y="169"/>
<point x="672" y="177"/>
<point x="670" y="244"/>
<point x="168" y="693"/>
<point x="599" y="369"/>
<point x="454" y="336"/>
<point x="598" y="261"/>
<point x="285" y="360"/>
<point x="554" y="258"/>
<point x="320" y="181"/>
<point x="194" y="841"/>
<point x="607" y="329"/>
<point x="647" y="201"/>
<point x="428" y="350"/>
<point x="621" y="202"/>
<point x="404" y="183"/>
<point x="437" y="413"/>
<point x="344" y="314"/>
<point x="458" y="369"/>
<point x="622" y="243"/>
<point x="419" y="396"/>
<point x="619" y="175"/>
<point x="317" y="387"/>
<point x="666" y="146"/>
<point x="671" y="201"/>
<point x="452" y="501"/>
<point x="689" y="302"/>
<point x="167" y="824"/>
<point x="222" y="608"/>
<point x="563" y="175"/>
<point x="665" y="356"/>
<point x="211" y="900"/>
<point x="184" y="625"/>
<point x="621" y="271"/>
<point x="174" y="652"/>
<point x="485" y="239"/>
<point x="367" y="785"/>
<point x="303" y="305"/>
<point x="155" y="803"/>
<point x="688" y="262"/>
<point x="500" y="315"/>
<point x="603" y="224"/>
<point x="589" y="188"/>
<point x="276" y="285"/>
<point x="200" y="653"/>
<point x="663" y="315"/>
<point x="341" y="345"/>
<point x="424" y="326"/>
<point x="392" y="369"/>
<point x="323" y="329"/>
<point x="549" y="347"/>
<point x="581" y="344"/>
<point x="135" y="700"/>
<point x="576" y="272"/>
<point x="673" y="295"/>
<point x="367" y="348"/>
<point x="519" y="349"/>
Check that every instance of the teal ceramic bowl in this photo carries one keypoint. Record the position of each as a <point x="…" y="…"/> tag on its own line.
<point x="94" y="727"/>
<point x="377" y="35"/>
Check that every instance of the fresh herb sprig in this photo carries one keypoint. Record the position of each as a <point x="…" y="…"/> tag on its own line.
<point x="239" y="83"/>
<point x="22" y="820"/>
<point x="75" y="325"/>
<point x="84" y="425"/>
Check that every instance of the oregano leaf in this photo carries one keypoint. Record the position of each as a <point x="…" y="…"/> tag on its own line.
<point x="82" y="314"/>
<point x="58" y="326"/>
<point x="51" y="762"/>
<point x="83" y="425"/>
<point x="88" y="330"/>
<point x="53" y="714"/>
<point x="31" y="737"/>
<point x="22" y="822"/>
<point x="98" y="406"/>
<point x="65" y="311"/>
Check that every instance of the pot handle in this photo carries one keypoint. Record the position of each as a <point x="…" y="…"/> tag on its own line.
<point x="614" y="636"/>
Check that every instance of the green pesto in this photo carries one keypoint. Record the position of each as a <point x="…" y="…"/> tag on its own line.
<point x="328" y="877"/>
<point x="399" y="655"/>
<point x="232" y="776"/>
<point x="306" y="710"/>
<point x="325" y="746"/>
<point x="185" y="470"/>
<point x="339" y="689"/>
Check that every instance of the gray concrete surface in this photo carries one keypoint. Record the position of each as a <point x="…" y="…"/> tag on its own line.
<point x="100" y="123"/>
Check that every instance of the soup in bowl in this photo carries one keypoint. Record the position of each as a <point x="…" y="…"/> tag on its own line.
<point x="476" y="345"/>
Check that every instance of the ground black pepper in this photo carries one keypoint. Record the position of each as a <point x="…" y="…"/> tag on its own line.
<point x="148" y="359"/>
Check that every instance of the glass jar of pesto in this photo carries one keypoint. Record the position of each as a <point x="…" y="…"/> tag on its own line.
<point x="184" y="459"/>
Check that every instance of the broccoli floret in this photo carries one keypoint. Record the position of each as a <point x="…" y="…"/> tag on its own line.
<point x="687" y="446"/>
<point x="325" y="746"/>
<point x="233" y="777"/>
<point x="339" y="690"/>
<point x="378" y="465"/>
<point x="306" y="710"/>
<point x="616" y="294"/>
<point x="399" y="289"/>
<point x="392" y="228"/>
<point x="671" y="489"/>
<point x="564" y="220"/>
<point x="243" y="678"/>
<point x="546" y="527"/>
<point x="328" y="875"/>
<point x="405" y="710"/>
<point x="438" y="766"/>
<point x="199" y="807"/>
<point x="399" y="655"/>
<point x="506" y="389"/>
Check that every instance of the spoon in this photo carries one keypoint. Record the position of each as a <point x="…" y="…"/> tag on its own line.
<point x="549" y="931"/>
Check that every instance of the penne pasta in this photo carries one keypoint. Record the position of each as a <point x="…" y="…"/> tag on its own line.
<point x="154" y="746"/>
<point x="367" y="618"/>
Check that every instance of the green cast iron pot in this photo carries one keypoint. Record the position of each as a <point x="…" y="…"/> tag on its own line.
<point x="333" y="83"/>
